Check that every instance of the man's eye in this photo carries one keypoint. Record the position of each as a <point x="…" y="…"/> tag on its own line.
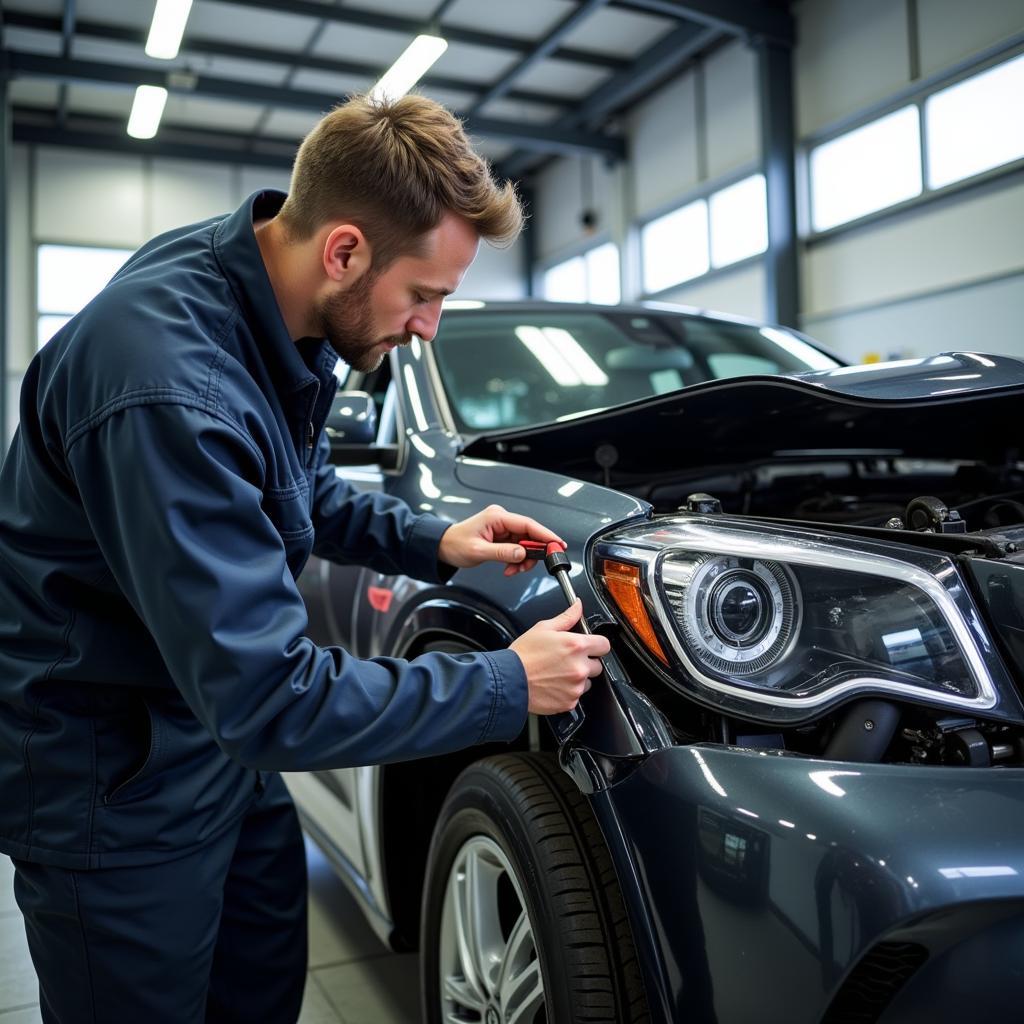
<point x="420" y="298"/>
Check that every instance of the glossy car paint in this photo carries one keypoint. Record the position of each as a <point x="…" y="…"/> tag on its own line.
<point x="836" y="856"/>
<point x="841" y="856"/>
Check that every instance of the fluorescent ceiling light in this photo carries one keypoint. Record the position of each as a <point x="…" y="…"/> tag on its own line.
<point x="167" y="29"/>
<point x="419" y="55"/>
<point x="147" y="110"/>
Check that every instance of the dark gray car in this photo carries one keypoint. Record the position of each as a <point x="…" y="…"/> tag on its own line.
<point x="795" y="794"/>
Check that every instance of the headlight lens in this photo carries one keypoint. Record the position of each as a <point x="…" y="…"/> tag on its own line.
<point x="737" y="616"/>
<point x="776" y="623"/>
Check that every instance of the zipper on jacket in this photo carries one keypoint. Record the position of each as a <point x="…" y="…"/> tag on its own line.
<point x="310" y="433"/>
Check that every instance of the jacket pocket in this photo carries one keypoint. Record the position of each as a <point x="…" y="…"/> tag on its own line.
<point x="288" y="509"/>
<point x="150" y="737"/>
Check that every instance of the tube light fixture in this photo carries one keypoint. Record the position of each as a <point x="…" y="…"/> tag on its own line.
<point x="410" y="67"/>
<point x="168" y="27"/>
<point x="147" y="109"/>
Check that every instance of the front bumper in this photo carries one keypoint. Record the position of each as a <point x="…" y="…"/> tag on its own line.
<point x="775" y="888"/>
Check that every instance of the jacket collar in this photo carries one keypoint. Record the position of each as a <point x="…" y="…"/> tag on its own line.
<point x="241" y="262"/>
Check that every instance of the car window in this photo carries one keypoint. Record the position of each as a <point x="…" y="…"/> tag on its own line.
<point x="506" y="369"/>
<point x="732" y="364"/>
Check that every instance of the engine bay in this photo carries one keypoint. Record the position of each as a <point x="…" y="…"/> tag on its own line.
<point x="852" y="490"/>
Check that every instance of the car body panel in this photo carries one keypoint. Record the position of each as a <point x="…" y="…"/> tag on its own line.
<point x="924" y="413"/>
<point x="756" y="876"/>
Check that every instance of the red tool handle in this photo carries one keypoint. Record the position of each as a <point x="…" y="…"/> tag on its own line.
<point x="539" y="547"/>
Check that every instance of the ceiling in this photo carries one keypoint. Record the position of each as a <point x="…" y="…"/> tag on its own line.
<point x="531" y="79"/>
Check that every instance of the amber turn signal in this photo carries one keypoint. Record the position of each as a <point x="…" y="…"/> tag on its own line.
<point x="623" y="583"/>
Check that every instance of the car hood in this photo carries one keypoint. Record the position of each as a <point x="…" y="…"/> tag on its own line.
<point x="958" y="405"/>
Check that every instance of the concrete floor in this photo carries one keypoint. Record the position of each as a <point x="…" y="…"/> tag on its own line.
<point x="352" y="978"/>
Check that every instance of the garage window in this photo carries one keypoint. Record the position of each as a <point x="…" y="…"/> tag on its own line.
<point x="867" y="169"/>
<point x="739" y="221"/>
<point x="674" y="248"/>
<point x="591" y="277"/>
<point x="972" y="126"/>
<point x="67" y="277"/>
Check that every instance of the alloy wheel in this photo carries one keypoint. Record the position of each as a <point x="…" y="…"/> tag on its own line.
<point x="489" y="970"/>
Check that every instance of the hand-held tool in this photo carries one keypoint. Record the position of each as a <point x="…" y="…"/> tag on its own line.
<point x="558" y="565"/>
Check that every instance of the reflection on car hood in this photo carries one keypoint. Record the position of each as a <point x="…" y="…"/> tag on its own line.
<point x="956" y="405"/>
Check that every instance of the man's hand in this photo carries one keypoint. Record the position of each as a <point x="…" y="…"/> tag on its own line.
<point x="490" y="536"/>
<point x="559" y="665"/>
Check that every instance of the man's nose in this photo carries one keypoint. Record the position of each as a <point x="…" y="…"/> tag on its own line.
<point x="424" y="322"/>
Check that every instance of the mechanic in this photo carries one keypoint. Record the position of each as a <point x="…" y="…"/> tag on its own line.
<point x="167" y="483"/>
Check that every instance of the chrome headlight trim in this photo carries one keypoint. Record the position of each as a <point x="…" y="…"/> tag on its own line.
<point x="788" y="548"/>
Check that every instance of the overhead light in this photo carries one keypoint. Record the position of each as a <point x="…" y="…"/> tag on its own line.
<point x="146" y="112"/>
<point x="167" y="29"/>
<point x="419" y="55"/>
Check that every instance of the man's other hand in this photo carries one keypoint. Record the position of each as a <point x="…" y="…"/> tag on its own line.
<point x="490" y="536"/>
<point x="559" y="664"/>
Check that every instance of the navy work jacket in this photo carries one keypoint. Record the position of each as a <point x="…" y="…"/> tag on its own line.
<point x="158" y="500"/>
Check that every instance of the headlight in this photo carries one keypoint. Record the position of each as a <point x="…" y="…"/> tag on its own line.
<point x="778" y="624"/>
<point x="737" y="616"/>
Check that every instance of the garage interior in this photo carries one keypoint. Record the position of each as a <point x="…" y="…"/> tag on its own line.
<point x="850" y="168"/>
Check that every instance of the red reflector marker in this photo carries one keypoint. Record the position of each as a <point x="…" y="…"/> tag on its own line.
<point x="379" y="598"/>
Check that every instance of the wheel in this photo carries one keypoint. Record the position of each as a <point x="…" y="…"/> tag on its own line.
<point x="523" y="921"/>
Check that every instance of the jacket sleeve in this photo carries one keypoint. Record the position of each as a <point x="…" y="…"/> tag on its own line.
<point x="373" y="529"/>
<point x="173" y="496"/>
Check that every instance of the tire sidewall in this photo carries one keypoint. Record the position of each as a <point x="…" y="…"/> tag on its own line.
<point x="478" y="805"/>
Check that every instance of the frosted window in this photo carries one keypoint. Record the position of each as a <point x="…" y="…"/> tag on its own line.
<point x="739" y="221"/>
<point x="674" y="248"/>
<point x="67" y="277"/>
<point x="603" y="274"/>
<point x="592" y="277"/>
<point x="567" y="282"/>
<point x="47" y="326"/>
<point x="975" y="124"/>
<point x="865" y="170"/>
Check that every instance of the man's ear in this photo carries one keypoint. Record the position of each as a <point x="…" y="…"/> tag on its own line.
<point x="346" y="254"/>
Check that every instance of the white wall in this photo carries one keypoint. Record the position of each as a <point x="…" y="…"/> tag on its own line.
<point x="700" y="126"/>
<point x="495" y="274"/>
<point x="566" y="188"/>
<point x="914" y="283"/>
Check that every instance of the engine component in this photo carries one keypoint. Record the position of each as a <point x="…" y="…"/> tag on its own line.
<point x="931" y="515"/>
<point x="865" y="733"/>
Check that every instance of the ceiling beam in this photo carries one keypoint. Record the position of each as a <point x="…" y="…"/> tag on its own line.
<point x="414" y="26"/>
<point x="543" y="49"/>
<point x="67" y="32"/>
<point x="222" y="48"/>
<point x="655" y="63"/>
<point x="107" y="134"/>
<point x="539" y="138"/>
<point x="737" y="17"/>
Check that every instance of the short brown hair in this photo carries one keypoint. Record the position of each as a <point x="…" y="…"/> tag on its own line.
<point x="394" y="169"/>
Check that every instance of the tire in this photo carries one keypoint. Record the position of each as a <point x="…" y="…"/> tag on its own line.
<point x="548" y="941"/>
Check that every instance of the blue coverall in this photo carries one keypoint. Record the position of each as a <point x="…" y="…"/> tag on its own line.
<point x="165" y="487"/>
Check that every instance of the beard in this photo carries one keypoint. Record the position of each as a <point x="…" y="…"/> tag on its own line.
<point x="346" y="321"/>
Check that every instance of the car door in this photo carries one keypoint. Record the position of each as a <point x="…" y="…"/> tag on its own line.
<point x="341" y="802"/>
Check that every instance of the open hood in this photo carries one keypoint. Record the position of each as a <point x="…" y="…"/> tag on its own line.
<point x="957" y="405"/>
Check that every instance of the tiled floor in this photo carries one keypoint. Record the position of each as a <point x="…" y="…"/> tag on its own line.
<point x="352" y="978"/>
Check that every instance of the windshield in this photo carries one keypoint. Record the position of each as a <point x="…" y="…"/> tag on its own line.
<point x="503" y="370"/>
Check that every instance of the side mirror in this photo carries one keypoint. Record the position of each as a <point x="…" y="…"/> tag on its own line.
<point x="352" y="419"/>
<point x="352" y="432"/>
